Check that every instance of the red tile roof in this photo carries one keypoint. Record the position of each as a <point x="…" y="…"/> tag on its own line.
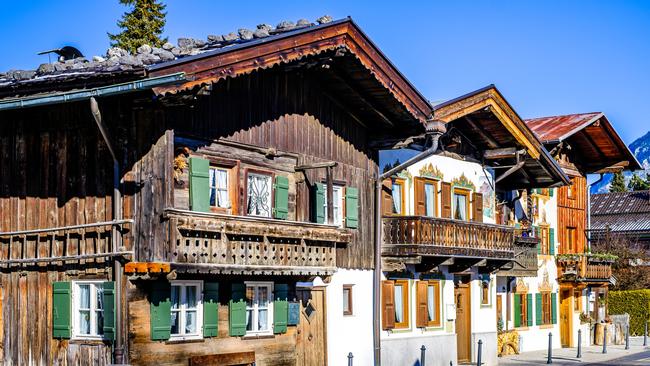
<point x="561" y="127"/>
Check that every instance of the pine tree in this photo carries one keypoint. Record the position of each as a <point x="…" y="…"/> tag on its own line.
<point x="618" y="183"/>
<point x="638" y="184"/>
<point x="142" y="25"/>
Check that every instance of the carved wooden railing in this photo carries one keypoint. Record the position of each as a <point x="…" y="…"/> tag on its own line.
<point x="84" y="243"/>
<point x="583" y="268"/>
<point x="466" y="238"/>
<point x="244" y="243"/>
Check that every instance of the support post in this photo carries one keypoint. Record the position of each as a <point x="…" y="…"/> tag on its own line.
<point x="549" y="358"/>
<point x="605" y="338"/>
<point x="478" y="354"/>
<point x="350" y="357"/>
<point x="423" y="351"/>
<point x="579" y="355"/>
<point x="627" y="337"/>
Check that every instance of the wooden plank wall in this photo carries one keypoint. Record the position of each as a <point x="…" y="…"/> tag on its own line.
<point x="572" y="212"/>
<point x="289" y="112"/>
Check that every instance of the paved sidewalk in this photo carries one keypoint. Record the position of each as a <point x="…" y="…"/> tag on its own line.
<point x="593" y="355"/>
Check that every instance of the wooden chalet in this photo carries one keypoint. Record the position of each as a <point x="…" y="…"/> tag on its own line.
<point x="582" y="144"/>
<point x="173" y="213"/>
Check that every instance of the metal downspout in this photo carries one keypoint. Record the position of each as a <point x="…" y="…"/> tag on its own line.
<point x="589" y="210"/>
<point x="435" y="129"/>
<point x="118" y="349"/>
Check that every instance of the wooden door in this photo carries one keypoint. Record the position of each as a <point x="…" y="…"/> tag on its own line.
<point x="566" y="311"/>
<point x="463" y="323"/>
<point x="311" y="347"/>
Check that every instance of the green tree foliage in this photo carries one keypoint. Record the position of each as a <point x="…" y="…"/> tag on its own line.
<point x="142" y="25"/>
<point x="638" y="184"/>
<point x="618" y="183"/>
<point x="636" y="303"/>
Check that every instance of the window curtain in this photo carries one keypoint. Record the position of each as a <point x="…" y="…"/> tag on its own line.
<point x="428" y="196"/>
<point x="399" y="306"/>
<point x="222" y="189"/>
<point x="397" y="198"/>
<point x="431" y="303"/>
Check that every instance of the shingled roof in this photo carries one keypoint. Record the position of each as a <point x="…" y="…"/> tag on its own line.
<point x="621" y="211"/>
<point x="119" y="65"/>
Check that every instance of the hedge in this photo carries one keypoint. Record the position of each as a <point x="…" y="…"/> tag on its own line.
<point x="634" y="302"/>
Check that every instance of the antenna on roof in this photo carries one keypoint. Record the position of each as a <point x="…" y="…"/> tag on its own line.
<point x="65" y="53"/>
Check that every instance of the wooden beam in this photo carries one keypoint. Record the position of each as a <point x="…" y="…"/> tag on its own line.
<point x="326" y="164"/>
<point x="508" y="172"/>
<point x="490" y="140"/>
<point x="503" y="153"/>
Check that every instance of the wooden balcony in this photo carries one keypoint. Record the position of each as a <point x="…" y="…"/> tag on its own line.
<point x="525" y="263"/>
<point x="446" y="238"/>
<point x="583" y="268"/>
<point x="215" y="243"/>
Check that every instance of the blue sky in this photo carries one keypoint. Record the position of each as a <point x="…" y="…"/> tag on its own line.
<point x="547" y="57"/>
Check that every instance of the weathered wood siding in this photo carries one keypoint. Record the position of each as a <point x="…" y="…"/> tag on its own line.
<point x="572" y="212"/>
<point x="290" y="113"/>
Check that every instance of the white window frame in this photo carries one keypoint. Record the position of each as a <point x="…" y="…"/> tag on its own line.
<point x="337" y="205"/>
<point x="215" y="188"/>
<point x="94" y="284"/>
<point x="183" y="309"/>
<point x="270" y="288"/>
<point x="270" y="192"/>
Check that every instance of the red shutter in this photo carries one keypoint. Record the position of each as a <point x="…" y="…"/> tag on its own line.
<point x="478" y="207"/>
<point x="421" y="313"/>
<point x="388" y="305"/>
<point x="446" y="200"/>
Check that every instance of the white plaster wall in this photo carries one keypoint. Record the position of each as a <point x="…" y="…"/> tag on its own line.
<point x="350" y="333"/>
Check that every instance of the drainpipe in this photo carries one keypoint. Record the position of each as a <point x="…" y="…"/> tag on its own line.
<point x="118" y="349"/>
<point x="434" y="129"/>
<point x="589" y="210"/>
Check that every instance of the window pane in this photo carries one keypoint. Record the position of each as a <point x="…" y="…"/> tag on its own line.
<point x="259" y="195"/>
<point x="175" y="297"/>
<point x="431" y="302"/>
<point x="213" y="184"/>
<point x="249" y="319"/>
<point x="250" y="295"/>
<point x="346" y="299"/>
<point x="262" y="321"/>
<point x="429" y="197"/>
<point x="222" y="189"/>
<point x="399" y="306"/>
<point x="397" y="198"/>
<point x="460" y="209"/>
<point x="190" y="322"/>
<point x="263" y="296"/>
<point x="84" y="322"/>
<point x="100" y="323"/>
<point x="99" y="290"/>
<point x="175" y="321"/>
<point x="190" y="297"/>
<point x="84" y="296"/>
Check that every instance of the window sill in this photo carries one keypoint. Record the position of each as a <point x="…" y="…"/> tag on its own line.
<point x="258" y="336"/>
<point x="546" y="326"/>
<point x="185" y="340"/>
<point x="522" y="328"/>
<point x="88" y="341"/>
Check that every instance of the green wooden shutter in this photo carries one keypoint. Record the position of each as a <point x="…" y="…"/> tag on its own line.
<point x="554" y="308"/>
<point x="538" y="309"/>
<point x="237" y="311"/>
<point x="551" y="241"/>
<point x="550" y="192"/>
<point x="517" y="310"/>
<point x="109" y="309"/>
<point x="280" y="308"/>
<point x="529" y="309"/>
<point x="351" y="207"/>
<point x="199" y="184"/>
<point x="210" y="309"/>
<point x="61" y="311"/>
<point x="160" y="310"/>
<point x="281" y="198"/>
<point x="318" y="203"/>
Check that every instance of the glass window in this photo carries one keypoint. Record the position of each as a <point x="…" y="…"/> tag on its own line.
<point x="577" y="300"/>
<point x="259" y="307"/>
<point x="88" y="300"/>
<point x="258" y="197"/>
<point x="186" y="315"/>
<point x="347" y="299"/>
<point x="337" y="196"/>
<point x="398" y="197"/>
<point x="401" y="304"/>
<point x="485" y="292"/>
<point x="429" y="199"/>
<point x="460" y="205"/>
<point x="219" y="188"/>
<point x="433" y="303"/>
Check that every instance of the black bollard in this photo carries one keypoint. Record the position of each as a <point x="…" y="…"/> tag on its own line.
<point x="579" y="355"/>
<point x="645" y="335"/>
<point x="423" y="351"/>
<point x="605" y="338"/>
<point x="549" y="359"/>
<point x="478" y="355"/>
<point x="627" y="337"/>
<point x="350" y="357"/>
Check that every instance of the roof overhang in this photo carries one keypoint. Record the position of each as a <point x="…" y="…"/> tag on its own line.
<point x="234" y="61"/>
<point x="491" y="123"/>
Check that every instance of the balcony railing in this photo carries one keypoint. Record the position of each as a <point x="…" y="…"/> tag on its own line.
<point x="244" y="244"/>
<point x="438" y="236"/>
<point x="582" y="267"/>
